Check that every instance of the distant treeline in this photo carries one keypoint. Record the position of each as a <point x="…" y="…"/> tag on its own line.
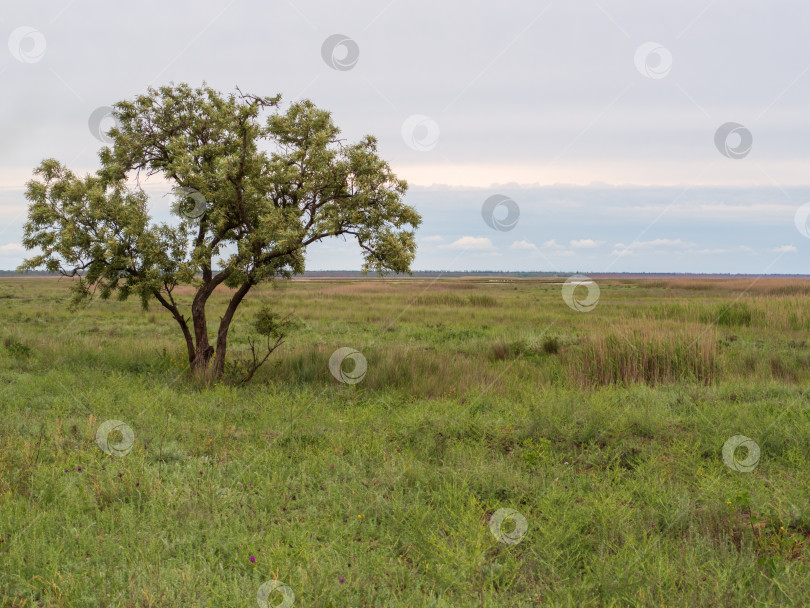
<point x="314" y="274"/>
<point x="32" y="273"/>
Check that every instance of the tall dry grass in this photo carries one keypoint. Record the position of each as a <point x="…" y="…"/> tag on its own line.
<point x="445" y="298"/>
<point x="773" y="313"/>
<point x="642" y="354"/>
<point x="752" y="285"/>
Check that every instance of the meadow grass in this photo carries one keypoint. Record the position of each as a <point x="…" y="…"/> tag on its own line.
<point x="603" y="429"/>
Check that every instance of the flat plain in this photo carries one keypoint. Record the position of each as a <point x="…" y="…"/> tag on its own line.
<point x="603" y="430"/>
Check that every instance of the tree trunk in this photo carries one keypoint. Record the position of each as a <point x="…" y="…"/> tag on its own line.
<point x="202" y="355"/>
<point x="186" y="334"/>
<point x="203" y="350"/>
<point x="172" y="308"/>
<point x="189" y="342"/>
<point x="224" y="326"/>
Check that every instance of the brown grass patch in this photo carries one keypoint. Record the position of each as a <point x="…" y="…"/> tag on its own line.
<point x="645" y="355"/>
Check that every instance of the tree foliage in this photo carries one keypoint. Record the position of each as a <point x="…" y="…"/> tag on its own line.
<point x="254" y="187"/>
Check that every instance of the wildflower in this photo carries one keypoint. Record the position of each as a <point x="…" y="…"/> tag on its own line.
<point x="137" y="483"/>
<point x="79" y="469"/>
<point x="342" y="579"/>
<point x="252" y="559"/>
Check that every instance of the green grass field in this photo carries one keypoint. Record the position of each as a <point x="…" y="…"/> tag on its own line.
<point x="603" y="429"/>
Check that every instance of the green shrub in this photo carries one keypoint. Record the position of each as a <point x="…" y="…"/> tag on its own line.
<point x="736" y="314"/>
<point x="16" y="348"/>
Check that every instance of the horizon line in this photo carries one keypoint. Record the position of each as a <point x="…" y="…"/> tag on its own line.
<point x="517" y="273"/>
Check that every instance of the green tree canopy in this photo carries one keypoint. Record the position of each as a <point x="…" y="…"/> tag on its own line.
<point x="254" y="186"/>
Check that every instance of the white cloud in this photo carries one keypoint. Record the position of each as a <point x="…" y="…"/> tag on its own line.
<point x="677" y="247"/>
<point x="474" y="243"/>
<point x="585" y="244"/>
<point x="12" y="248"/>
<point x="523" y="245"/>
<point x="556" y="250"/>
<point x="784" y="249"/>
<point x="710" y="251"/>
<point x="655" y="243"/>
<point x="745" y="213"/>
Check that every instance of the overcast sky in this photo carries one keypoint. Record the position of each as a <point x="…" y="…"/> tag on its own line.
<point x="603" y="126"/>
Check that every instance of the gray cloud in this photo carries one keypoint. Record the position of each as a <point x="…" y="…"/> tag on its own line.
<point x="520" y="93"/>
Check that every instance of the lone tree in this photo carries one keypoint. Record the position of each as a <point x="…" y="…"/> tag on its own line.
<point x="254" y="187"/>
